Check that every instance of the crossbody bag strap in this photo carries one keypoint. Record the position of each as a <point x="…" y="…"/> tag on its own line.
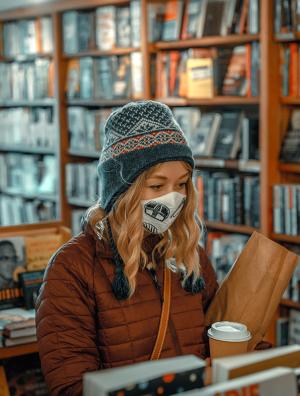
<point x="164" y="318"/>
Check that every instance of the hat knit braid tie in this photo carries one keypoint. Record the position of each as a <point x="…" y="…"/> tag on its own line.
<point x="120" y="285"/>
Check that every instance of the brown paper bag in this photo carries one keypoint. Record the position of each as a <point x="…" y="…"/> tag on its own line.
<point x="252" y="290"/>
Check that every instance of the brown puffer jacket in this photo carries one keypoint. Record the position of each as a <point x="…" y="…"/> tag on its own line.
<point x="82" y="327"/>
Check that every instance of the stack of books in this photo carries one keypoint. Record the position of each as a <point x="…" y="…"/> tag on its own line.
<point x="17" y="326"/>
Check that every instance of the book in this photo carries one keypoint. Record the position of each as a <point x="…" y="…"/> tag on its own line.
<point x="12" y="262"/>
<point x="274" y="382"/>
<point x="8" y="342"/>
<point x="172" y="20"/>
<point x="228" y="140"/>
<point x="135" y="21"/>
<point x="106" y="27"/>
<point x="214" y="18"/>
<point x="4" y="390"/>
<point x="191" y="18"/>
<point x="14" y="319"/>
<point x="30" y="283"/>
<point x="172" y="374"/>
<point x="235" y="81"/>
<point x="123" y="33"/>
<point x="200" y="83"/>
<point x="294" y="327"/>
<point x="202" y="140"/>
<point x="72" y="88"/>
<point x="240" y="365"/>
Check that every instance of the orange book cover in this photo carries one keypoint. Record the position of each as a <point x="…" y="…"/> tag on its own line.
<point x="244" y="17"/>
<point x="293" y="69"/>
<point x="38" y="36"/>
<point x="173" y="68"/>
<point x="51" y="80"/>
<point x="248" y="69"/>
<point x="73" y="79"/>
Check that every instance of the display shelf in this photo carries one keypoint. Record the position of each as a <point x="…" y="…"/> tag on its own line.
<point x="286" y="37"/>
<point x="252" y="166"/>
<point x="98" y="102"/>
<point x="18" y="350"/>
<point x="82" y="153"/>
<point x="234" y="39"/>
<point x="28" y="103"/>
<point x="215" y="101"/>
<point x="79" y="202"/>
<point x="289" y="168"/>
<point x="242" y="229"/>
<point x="25" y="57"/>
<point x="289" y="303"/>
<point x="27" y="149"/>
<point x="29" y="195"/>
<point x="98" y="53"/>
<point x="286" y="238"/>
<point x="290" y="100"/>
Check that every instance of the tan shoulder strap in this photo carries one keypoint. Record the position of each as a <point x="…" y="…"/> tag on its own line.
<point x="164" y="318"/>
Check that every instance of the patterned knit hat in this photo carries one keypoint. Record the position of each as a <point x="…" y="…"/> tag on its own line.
<point x="137" y="136"/>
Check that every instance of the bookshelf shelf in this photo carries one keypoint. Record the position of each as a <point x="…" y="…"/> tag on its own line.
<point x="28" y="103"/>
<point x="289" y="303"/>
<point x="95" y="52"/>
<point x="28" y="150"/>
<point x="215" y="101"/>
<point x="230" y="227"/>
<point x="234" y="39"/>
<point x="42" y="197"/>
<point x="286" y="238"/>
<point x="242" y="166"/>
<point x="19" y="350"/>
<point x="26" y="57"/>
<point x="289" y="168"/>
<point x="290" y="100"/>
<point x="79" y="202"/>
<point x="85" y="154"/>
<point x="98" y="102"/>
<point x="286" y="37"/>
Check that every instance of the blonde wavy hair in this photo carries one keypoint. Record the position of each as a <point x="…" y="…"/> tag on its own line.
<point x="179" y="242"/>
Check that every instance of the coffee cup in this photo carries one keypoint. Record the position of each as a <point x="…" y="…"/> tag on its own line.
<point x="228" y="338"/>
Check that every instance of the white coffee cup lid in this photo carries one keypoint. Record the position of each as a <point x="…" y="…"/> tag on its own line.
<point x="229" y="331"/>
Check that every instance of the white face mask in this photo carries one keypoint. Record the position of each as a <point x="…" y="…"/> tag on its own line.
<point x="159" y="213"/>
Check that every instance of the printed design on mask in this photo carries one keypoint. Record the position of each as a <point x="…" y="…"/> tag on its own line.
<point x="151" y="228"/>
<point x="157" y="210"/>
<point x="176" y="211"/>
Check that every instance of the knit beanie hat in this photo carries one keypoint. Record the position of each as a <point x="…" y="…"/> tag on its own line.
<point x="138" y="136"/>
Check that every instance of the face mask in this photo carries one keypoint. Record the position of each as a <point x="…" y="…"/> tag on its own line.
<point x="161" y="212"/>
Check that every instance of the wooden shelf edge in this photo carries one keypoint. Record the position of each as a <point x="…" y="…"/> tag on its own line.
<point x="99" y="102"/>
<point x="290" y="100"/>
<point x="25" y="57"/>
<point x="289" y="303"/>
<point x="207" y="41"/>
<point x="28" y="103"/>
<point x="217" y="100"/>
<point x="286" y="37"/>
<point x="31" y="150"/>
<point x="252" y="166"/>
<point x="18" y="350"/>
<point x="289" y="167"/>
<point x="97" y="52"/>
<point x="286" y="238"/>
<point x="241" y="229"/>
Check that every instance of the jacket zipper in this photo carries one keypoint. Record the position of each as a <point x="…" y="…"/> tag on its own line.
<point x="172" y="326"/>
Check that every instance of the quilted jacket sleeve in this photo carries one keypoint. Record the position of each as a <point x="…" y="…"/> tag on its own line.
<point x="66" y="321"/>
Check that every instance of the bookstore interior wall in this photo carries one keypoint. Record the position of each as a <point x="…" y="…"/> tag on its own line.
<point x="233" y="86"/>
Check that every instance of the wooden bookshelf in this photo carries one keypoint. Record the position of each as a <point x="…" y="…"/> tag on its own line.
<point x="18" y="350"/>
<point x="215" y="101"/>
<point x="28" y="103"/>
<point x="287" y="37"/>
<point x="27" y="150"/>
<point x="84" y="154"/>
<point x="289" y="168"/>
<point x="290" y="100"/>
<point x="286" y="238"/>
<point x="290" y="304"/>
<point x="242" y="229"/>
<point x="115" y="51"/>
<point x="234" y="39"/>
<point x="26" y="57"/>
<point x="238" y="165"/>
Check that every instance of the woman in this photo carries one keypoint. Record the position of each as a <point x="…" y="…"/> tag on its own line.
<point x="100" y="303"/>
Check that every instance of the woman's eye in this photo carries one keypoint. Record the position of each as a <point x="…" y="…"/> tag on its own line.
<point x="182" y="185"/>
<point x="156" y="187"/>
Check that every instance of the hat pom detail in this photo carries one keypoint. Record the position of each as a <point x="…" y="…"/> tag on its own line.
<point x="193" y="286"/>
<point x="120" y="285"/>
